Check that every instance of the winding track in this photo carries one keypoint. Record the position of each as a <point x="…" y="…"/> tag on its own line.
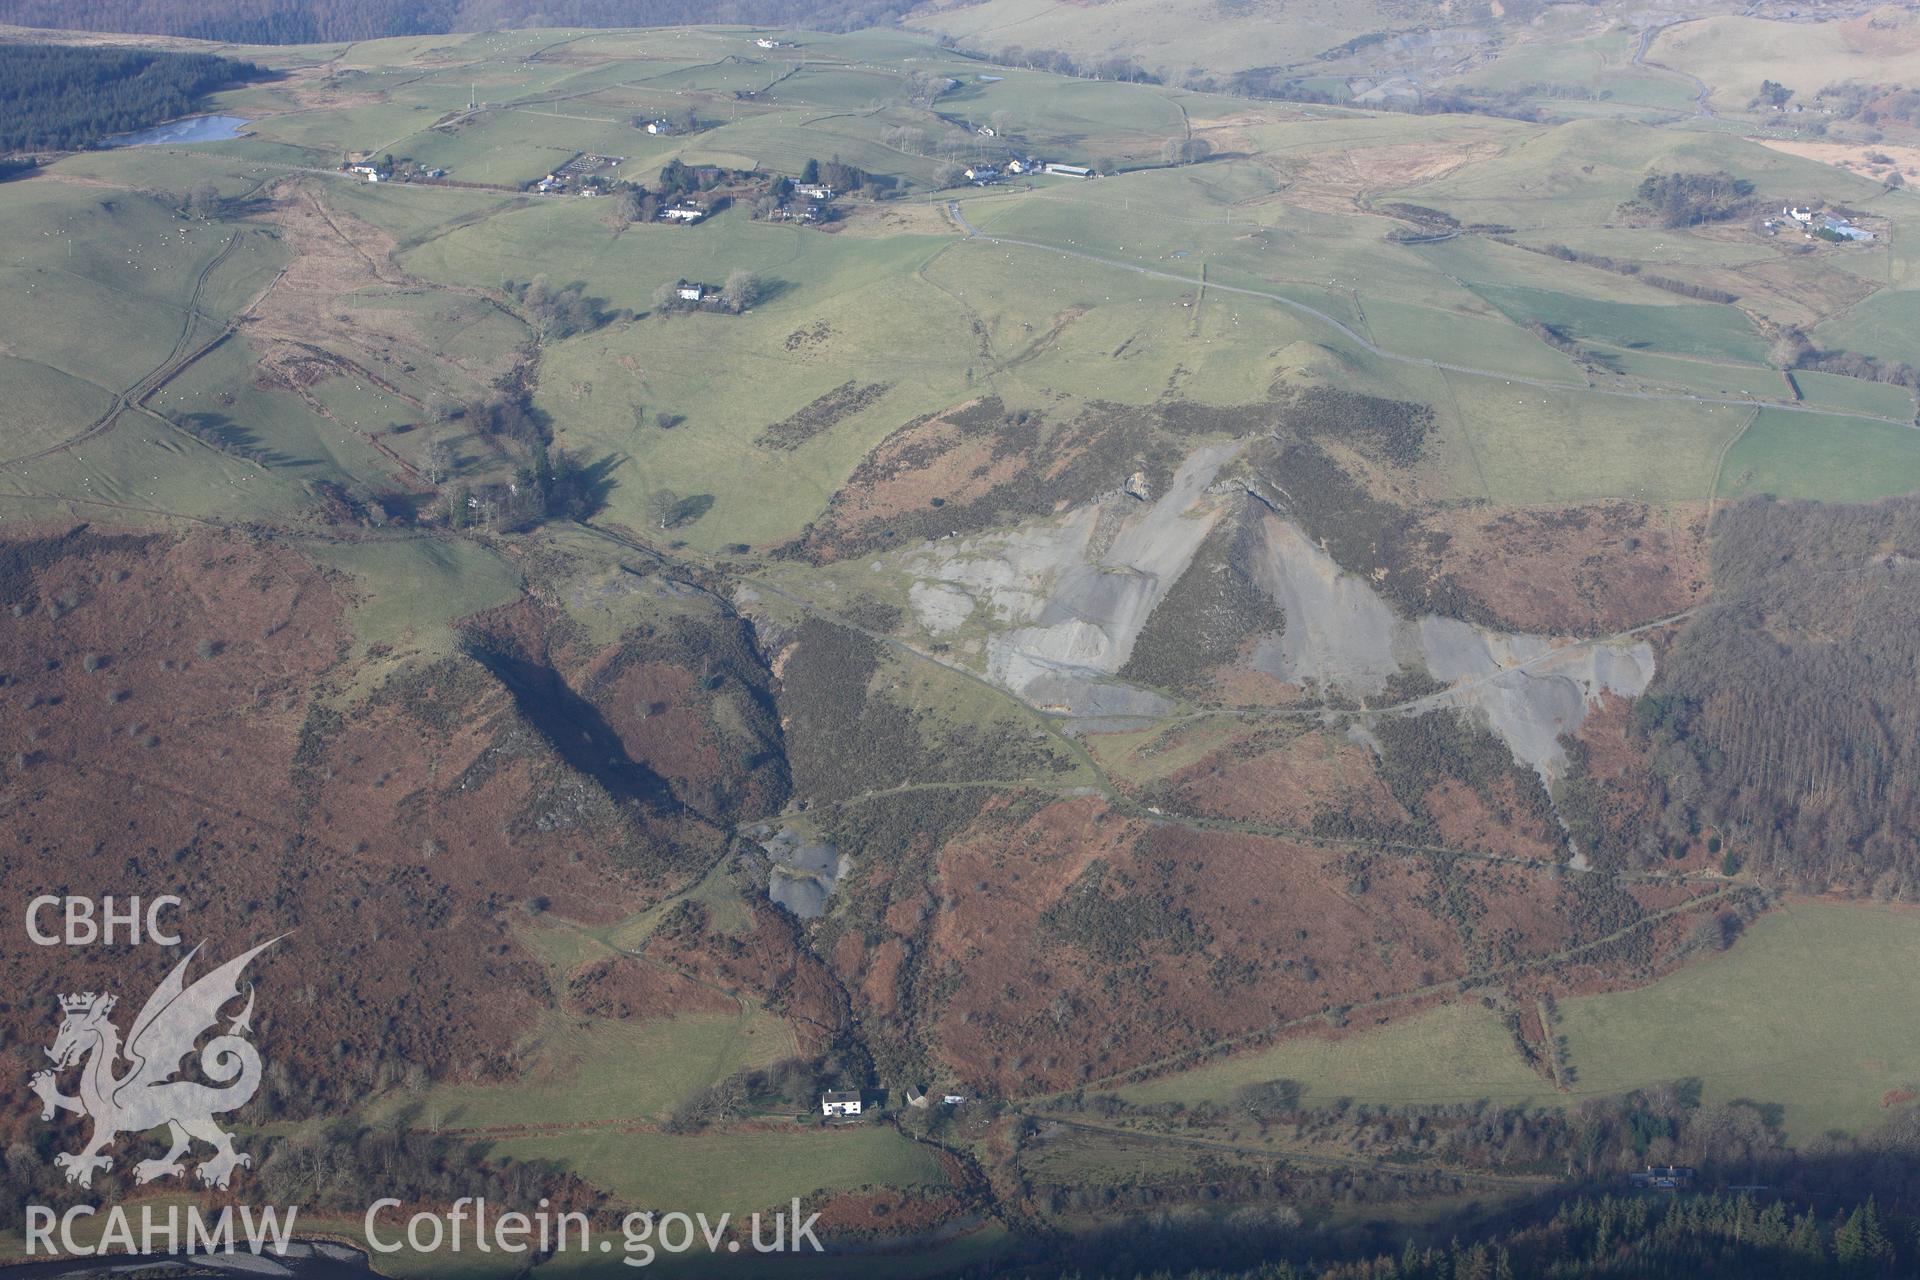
<point x="177" y="359"/>
<point x="1647" y="37"/>
<point x="1258" y="1036"/>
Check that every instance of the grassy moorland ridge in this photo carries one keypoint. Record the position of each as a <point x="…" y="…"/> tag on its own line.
<point x="1222" y="662"/>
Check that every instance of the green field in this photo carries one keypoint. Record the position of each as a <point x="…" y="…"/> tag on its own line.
<point x="1572" y="178"/>
<point x="1798" y="1012"/>
<point x="1808" y="455"/>
<point x="597" y="1070"/>
<point x="733" y="1171"/>
<point x="1856" y="395"/>
<point x="411" y="589"/>
<point x="1687" y="329"/>
<point x="1691" y="374"/>
<point x="1455" y="1053"/>
<point x="1600" y="65"/>
<point x="1885" y="325"/>
<point x="1534" y="446"/>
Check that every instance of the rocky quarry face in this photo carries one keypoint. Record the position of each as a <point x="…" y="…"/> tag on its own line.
<point x="1064" y="600"/>
<point x="803" y="873"/>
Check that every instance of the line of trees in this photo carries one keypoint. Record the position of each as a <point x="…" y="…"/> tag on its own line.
<point x="1871" y="104"/>
<point x="1620" y="266"/>
<point x="1061" y="63"/>
<point x="1824" y="1211"/>
<point x="1795" y="350"/>
<point x="1274" y="84"/>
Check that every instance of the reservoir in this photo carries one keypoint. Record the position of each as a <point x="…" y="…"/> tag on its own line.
<point x="191" y="129"/>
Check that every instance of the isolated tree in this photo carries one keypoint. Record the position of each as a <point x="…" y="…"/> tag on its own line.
<point x="630" y="203"/>
<point x="741" y="290"/>
<point x="1790" y="348"/>
<point x="810" y="173"/>
<point x="557" y="313"/>
<point x="663" y="507"/>
<point x="435" y="460"/>
<point x="923" y="87"/>
<point x="664" y="297"/>
<point x="1185" y="150"/>
<point x="729" y="1099"/>
<point x="1001" y="121"/>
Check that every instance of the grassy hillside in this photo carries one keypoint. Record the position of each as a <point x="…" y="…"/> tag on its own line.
<point x="1733" y="54"/>
<point x="1163" y="34"/>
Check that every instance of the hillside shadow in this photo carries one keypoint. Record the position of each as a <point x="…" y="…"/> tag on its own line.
<point x="689" y="509"/>
<point x="574" y="727"/>
<point x="772" y="288"/>
<point x="218" y="431"/>
<point x="588" y="487"/>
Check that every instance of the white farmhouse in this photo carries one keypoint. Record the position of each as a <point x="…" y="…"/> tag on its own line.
<point x="840" y="1103"/>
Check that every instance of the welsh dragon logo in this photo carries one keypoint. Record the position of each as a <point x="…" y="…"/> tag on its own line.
<point x="145" y="1096"/>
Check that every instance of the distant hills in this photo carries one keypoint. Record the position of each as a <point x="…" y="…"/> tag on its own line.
<point x="318" y="21"/>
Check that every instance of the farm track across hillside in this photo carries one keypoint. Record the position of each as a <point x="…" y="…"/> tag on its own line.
<point x="1645" y="42"/>
<point x="177" y="359"/>
<point x="1199" y="822"/>
<point x="974" y="233"/>
<point x="1190" y="1057"/>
